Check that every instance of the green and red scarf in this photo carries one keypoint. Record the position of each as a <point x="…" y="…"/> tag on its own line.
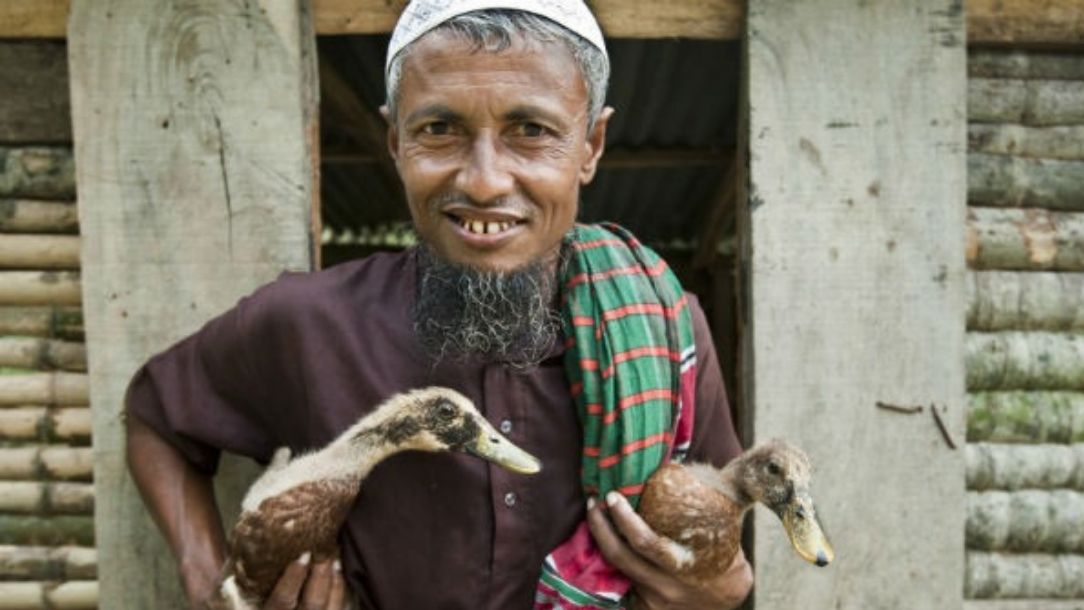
<point x="631" y="366"/>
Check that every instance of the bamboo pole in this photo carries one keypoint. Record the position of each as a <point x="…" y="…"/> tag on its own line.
<point x="1018" y="361"/>
<point x="1025" y="521"/>
<point x="53" y="530"/>
<point x="1032" y="575"/>
<point x="1020" y="22"/>
<point x="37" y="353"/>
<point x="1061" y="142"/>
<point x="1012" y="467"/>
<point x="71" y="595"/>
<point x="37" y="172"/>
<point x="48" y="563"/>
<point x="71" y="425"/>
<point x="1029" y="239"/>
<point x="30" y="216"/>
<point x="1026" y="102"/>
<point x="39" y="251"/>
<point x="21" y="423"/>
<point x="42" y="321"/>
<point x="39" y="288"/>
<point x="1016" y="63"/>
<point x="1025" y="417"/>
<point x="55" y="462"/>
<point x="1007" y="181"/>
<point x="53" y="388"/>
<point x="46" y="498"/>
<point x="1005" y="300"/>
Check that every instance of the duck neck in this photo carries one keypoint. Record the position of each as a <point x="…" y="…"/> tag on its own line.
<point x="726" y="480"/>
<point x="375" y="438"/>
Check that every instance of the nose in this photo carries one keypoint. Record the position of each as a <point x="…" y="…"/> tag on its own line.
<point x="483" y="176"/>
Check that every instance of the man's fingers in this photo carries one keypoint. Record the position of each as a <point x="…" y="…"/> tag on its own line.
<point x="639" y="534"/>
<point x="614" y="549"/>
<point x="317" y="589"/>
<point x="337" y="599"/>
<point x="288" y="589"/>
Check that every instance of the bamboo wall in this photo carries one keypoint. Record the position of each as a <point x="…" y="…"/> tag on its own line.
<point x="47" y="555"/>
<point x="1025" y="344"/>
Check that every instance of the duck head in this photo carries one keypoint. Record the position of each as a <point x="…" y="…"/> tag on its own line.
<point x="776" y="474"/>
<point x="440" y="419"/>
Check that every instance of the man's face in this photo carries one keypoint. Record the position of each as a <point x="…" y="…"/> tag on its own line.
<point x="492" y="148"/>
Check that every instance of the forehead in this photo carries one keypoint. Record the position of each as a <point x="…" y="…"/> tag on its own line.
<point x="444" y="64"/>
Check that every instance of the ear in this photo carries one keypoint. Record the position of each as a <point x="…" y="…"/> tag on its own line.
<point x="393" y="133"/>
<point x="594" y="146"/>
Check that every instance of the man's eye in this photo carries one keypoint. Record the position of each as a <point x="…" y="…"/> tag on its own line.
<point x="437" y="128"/>
<point x="531" y="130"/>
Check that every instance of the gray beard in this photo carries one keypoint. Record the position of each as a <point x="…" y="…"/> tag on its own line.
<point x="465" y="314"/>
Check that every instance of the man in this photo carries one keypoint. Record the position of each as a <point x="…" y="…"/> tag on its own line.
<point x="496" y="119"/>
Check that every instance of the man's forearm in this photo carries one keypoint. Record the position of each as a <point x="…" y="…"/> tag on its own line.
<point x="182" y="502"/>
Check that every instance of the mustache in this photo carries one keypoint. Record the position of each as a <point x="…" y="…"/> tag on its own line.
<point x="459" y="198"/>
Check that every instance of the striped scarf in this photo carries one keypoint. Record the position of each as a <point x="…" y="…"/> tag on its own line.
<point x="631" y="365"/>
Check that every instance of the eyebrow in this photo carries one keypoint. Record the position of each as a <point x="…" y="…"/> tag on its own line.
<point x="437" y="111"/>
<point x="527" y="112"/>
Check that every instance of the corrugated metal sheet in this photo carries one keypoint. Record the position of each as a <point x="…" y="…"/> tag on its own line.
<point x="669" y="95"/>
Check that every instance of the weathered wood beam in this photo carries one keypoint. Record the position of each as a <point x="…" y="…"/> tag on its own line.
<point x="1009" y="63"/>
<point x="1025" y="360"/>
<point x="34" y="18"/>
<point x="1027" y="102"/>
<point x="1026" y="521"/>
<point x="29" y="216"/>
<point x="34" y="79"/>
<point x="37" y="172"/>
<point x="47" y="563"/>
<point x="39" y="251"/>
<point x="848" y="302"/>
<point x="51" y="595"/>
<point x="198" y="183"/>
<point x="1025" y="417"/>
<point x="1028" y="240"/>
<point x="1008" y="181"/>
<point x="39" y="288"/>
<point x="1024" y="576"/>
<point x="46" y="498"/>
<point x="1015" y="22"/>
<point x="46" y="462"/>
<point x="1061" y="142"/>
<point x="30" y="423"/>
<point x="39" y="353"/>
<point x="56" y="530"/>
<point x="995" y="466"/>
<point x="62" y="322"/>
<point x="1008" y="300"/>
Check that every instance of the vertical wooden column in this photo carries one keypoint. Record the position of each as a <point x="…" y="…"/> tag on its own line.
<point x="854" y="261"/>
<point x="195" y="128"/>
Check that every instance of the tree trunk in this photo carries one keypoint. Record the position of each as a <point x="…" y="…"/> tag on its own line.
<point x="1013" y="467"/>
<point x="28" y="216"/>
<point x="1002" y="575"/>
<point x="1004" y="300"/>
<point x="1026" y="102"/>
<point x="1025" y="361"/>
<point x="1025" y="239"/>
<point x="1007" y="181"/>
<point x="1025" y="417"/>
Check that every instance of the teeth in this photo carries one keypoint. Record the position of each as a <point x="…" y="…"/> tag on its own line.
<point x="477" y="226"/>
<point x="492" y="228"/>
<point x="485" y="228"/>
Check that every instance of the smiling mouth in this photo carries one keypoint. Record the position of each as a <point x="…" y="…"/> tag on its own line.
<point x="484" y="227"/>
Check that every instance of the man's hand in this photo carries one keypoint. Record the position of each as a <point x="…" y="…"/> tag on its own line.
<point x="634" y="548"/>
<point x="304" y="587"/>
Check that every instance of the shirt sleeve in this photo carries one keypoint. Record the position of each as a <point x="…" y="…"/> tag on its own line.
<point x="714" y="437"/>
<point x="200" y="394"/>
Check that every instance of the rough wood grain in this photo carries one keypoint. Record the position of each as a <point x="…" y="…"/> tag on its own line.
<point x="39" y="288"/>
<point x="1028" y="102"/>
<point x="56" y="388"/>
<point x="39" y="251"/>
<point x="1037" y="22"/>
<point x="46" y="498"/>
<point x="1013" y="467"/>
<point x="34" y="78"/>
<point x="1004" y="180"/>
<point x="48" y="563"/>
<point x="46" y="462"/>
<point x="195" y="187"/>
<point x="1031" y="575"/>
<point x="30" y="216"/>
<point x="37" y="172"/>
<point x="1016" y="63"/>
<point x="1026" y="417"/>
<point x="1025" y="361"/>
<point x="45" y="321"/>
<point x="45" y="424"/>
<point x="47" y="531"/>
<point x="1060" y="142"/>
<point x="853" y="254"/>
<point x="71" y="595"/>
<point x="38" y="353"/>
<point x="1007" y="300"/>
<point x="1029" y="239"/>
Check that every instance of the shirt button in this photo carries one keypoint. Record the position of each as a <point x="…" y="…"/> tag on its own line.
<point x="510" y="499"/>
<point x="506" y="426"/>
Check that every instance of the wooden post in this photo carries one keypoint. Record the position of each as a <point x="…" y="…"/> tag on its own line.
<point x="854" y="259"/>
<point x="195" y="127"/>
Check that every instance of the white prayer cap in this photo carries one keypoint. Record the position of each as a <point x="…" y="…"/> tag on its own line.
<point x="420" y="16"/>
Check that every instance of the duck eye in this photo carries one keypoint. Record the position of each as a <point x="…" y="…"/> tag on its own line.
<point x="446" y="410"/>
<point x="774" y="469"/>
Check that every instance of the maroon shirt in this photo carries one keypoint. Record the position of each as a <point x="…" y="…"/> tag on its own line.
<point x="304" y="357"/>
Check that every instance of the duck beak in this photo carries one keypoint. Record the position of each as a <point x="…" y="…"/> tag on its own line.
<point x="804" y="530"/>
<point x="493" y="446"/>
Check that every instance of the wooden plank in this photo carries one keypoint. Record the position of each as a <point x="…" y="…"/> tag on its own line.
<point x="1006" y="300"/>
<point x="33" y="18"/>
<point x="34" y="79"/>
<point x="1025" y="361"/>
<point x="1027" y="521"/>
<point x="37" y="172"/>
<point x="1028" y="102"/>
<point x="1015" y="63"/>
<point x="1025" y="417"/>
<point x="1029" y="239"/>
<point x="195" y="186"/>
<point x="1059" y="142"/>
<point x="1006" y="180"/>
<point x="1033" y="22"/>
<point x="1014" y="467"/>
<point x="1030" y="575"/>
<point x="853" y="262"/>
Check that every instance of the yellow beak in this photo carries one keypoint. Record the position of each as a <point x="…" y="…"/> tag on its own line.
<point x="805" y="532"/>
<point x="491" y="445"/>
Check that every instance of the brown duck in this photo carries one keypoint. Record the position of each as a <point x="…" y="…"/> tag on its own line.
<point x="298" y="505"/>
<point x="699" y="508"/>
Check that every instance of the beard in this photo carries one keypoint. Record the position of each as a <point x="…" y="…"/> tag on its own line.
<point x="493" y="316"/>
